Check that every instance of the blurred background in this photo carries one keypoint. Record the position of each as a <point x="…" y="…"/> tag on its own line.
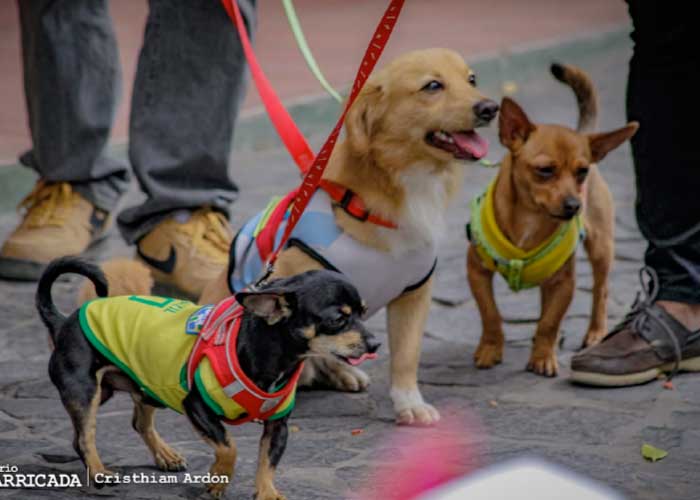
<point x="337" y="31"/>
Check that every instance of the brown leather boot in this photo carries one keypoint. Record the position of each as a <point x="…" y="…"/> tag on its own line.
<point x="57" y="221"/>
<point x="187" y="254"/>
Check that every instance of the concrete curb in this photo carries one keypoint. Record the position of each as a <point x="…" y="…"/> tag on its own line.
<point x="316" y="114"/>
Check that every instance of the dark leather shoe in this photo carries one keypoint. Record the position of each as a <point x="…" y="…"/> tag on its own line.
<point x="647" y="343"/>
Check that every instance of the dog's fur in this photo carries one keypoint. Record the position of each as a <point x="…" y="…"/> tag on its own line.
<point x="548" y="175"/>
<point x="124" y="277"/>
<point x="320" y="315"/>
<point x="388" y="160"/>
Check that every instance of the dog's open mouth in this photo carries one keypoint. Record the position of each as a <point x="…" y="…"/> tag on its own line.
<point x="357" y="361"/>
<point x="463" y="145"/>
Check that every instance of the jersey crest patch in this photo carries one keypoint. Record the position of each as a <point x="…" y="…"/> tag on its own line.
<point x="197" y="320"/>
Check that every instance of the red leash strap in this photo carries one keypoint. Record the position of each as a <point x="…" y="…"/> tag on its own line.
<point x="288" y="131"/>
<point x="312" y="178"/>
<point x="285" y="125"/>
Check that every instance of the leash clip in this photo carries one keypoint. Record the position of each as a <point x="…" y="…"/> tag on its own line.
<point x="269" y="267"/>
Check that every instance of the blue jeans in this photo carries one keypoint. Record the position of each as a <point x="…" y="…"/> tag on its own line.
<point x="188" y="88"/>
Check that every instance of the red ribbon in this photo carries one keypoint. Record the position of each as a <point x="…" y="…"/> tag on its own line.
<point x="284" y="124"/>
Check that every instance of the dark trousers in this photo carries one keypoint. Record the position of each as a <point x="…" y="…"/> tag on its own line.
<point x="662" y="95"/>
<point x="188" y="87"/>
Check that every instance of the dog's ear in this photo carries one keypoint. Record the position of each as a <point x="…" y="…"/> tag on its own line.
<point x="601" y="144"/>
<point x="514" y="127"/>
<point x="360" y="120"/>
<point x="271" y="304"/>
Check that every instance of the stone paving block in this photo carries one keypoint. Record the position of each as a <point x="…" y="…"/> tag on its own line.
<point x="567" y="424"/>
<point x="326" y="403"/>
<point x="19" y="370"/>
<point x="36" y="389"/>
<point x="30" y="408"/>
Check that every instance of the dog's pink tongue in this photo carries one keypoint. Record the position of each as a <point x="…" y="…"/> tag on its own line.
<point x="357" y="361"/>
<point x="472" y="142"/>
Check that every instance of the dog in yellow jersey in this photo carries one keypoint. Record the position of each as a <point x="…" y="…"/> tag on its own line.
<point x="548" y="195"/>
<point x="144" y="345"/>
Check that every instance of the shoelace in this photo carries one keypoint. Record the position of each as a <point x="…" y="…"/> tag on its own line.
<point x="210" y="226"/>
<point x="44" y="205"/>
<point x="640" y="314"/>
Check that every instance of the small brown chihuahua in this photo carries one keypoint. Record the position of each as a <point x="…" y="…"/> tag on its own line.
<point x="547" y="192"/>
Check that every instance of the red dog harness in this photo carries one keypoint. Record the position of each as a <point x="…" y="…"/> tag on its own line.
<point x="342" y="196"/>
<point x="217" y="341"/>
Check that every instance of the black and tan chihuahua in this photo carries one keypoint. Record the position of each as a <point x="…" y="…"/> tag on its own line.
<point x="313" y="314"/>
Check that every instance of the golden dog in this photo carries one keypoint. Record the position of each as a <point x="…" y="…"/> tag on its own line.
<point x="410" y="123"/>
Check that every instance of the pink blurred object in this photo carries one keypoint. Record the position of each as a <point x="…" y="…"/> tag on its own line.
<point x="428" y="457"/>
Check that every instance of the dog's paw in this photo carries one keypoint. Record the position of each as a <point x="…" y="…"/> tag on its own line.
<point x="217" y="490"/>
<point x="488" y="355"/>
<point x="422" y="415"/>
<point x="169" y="460"/>
<point x="100" y="478"/>
<point x="348" y="378"/>
<point x="544" y="363"/>
<point x="593" y="337"/>
<point x="411" y="409"/>
<point x="272" y="494"/>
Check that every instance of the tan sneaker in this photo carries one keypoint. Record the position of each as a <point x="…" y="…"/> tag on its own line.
<point x="57" y="222"/>
<point x="187" y="252"/>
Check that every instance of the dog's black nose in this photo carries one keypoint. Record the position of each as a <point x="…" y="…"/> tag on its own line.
<point x="373" y="346"/>
<point x="571" y="206"/>
<point x="486" y="110"/>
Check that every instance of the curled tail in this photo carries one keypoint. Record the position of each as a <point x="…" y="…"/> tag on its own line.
<point x="50" y="315"/>
<point x="584" y="91"/>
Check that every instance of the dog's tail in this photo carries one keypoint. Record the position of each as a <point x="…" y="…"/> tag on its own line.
<point x="584" y="91"/>
<point x="50" y="315"/>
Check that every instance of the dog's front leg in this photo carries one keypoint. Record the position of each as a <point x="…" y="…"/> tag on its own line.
<point x="490" y="349"/>
<point x="556" y="294"/>
<point x="600" y="247"/>
<point x="208" y="425"/>
<point x="272" y="445"/>
<point x="406" y="317"/>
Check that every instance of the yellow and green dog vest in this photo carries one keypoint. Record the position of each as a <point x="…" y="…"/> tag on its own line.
<point x="150" y="339"/>
<point x="521" y="269"/>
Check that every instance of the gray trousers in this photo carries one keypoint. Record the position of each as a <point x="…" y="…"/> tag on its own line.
<point x="188" y="88"/>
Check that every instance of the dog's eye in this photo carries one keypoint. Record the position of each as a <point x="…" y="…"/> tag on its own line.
<point x="545" y="172"/>
<point x="337" y="322"/>
<point x="581" y="174"/>
<point x="433" y="86"/>
<point x="472" y="80"/>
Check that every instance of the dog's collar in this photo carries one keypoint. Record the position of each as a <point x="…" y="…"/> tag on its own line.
<point x="521" y="269"/>
<point x="217" y="341"/>
<point x="351" y="202"/>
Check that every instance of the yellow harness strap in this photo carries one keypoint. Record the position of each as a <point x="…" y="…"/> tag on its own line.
<point x="520" y="269"/>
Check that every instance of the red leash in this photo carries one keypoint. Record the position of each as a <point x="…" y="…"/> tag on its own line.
<point x="287" y="129"/>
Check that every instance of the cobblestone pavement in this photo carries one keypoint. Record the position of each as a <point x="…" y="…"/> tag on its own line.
<point x="595" y="432"/>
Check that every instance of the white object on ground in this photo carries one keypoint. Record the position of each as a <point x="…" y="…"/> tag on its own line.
<point x="523" y="479"/>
